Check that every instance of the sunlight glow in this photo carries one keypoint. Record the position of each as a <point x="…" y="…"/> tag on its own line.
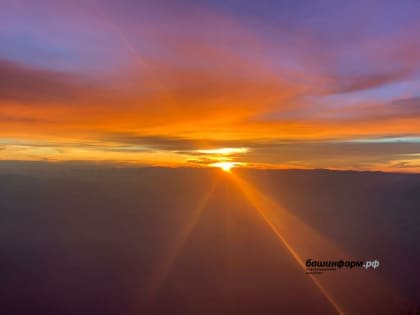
<point x="224" y="151"/>
<point x="225" y="166"/>
<point x="163" y="268"/>
<point x="264" y="206"/>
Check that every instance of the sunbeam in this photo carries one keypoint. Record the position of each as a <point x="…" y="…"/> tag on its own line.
<point x="163" y="268"/>
<point x="256" y="199"/>
<point x="303" y="242"/>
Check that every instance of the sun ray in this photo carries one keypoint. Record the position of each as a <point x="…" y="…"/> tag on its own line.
<point x="162" y="270"/>
<point x="256" y="199"/>
<point x="361" y="290"/>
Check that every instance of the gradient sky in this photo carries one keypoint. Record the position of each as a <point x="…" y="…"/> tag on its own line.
<point x="271" y="84"/>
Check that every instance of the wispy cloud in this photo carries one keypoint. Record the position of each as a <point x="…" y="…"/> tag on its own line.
<point x="143" y="81"/>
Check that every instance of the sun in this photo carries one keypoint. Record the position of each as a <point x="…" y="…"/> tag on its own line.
<point x="225" y="166"/>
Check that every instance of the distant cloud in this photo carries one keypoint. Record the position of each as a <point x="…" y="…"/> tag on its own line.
<point x="156" y="142"/>
<point x="368" y="81"/>
<point x="19" y="83"/>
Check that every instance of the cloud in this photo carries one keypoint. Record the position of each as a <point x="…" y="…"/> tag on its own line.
<point x="367" y="81"/>
<point x="19" y="83"/>
<point x="364" y="154"/>
<point x="156" y="142"/>
<point x="332" y="153"/>
<point x="399" y="109"/>
<point x="405" y="107"/>
<point x="206" y="81"/>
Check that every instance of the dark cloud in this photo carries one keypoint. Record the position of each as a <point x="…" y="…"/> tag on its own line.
<point x="157" y="142"/>
<point x="396" y="109"/>
<point x="404" y="164"/>
<point x="333" y="154"/>
<point x="181" y="145"/>
<point x="26" y="84"/>
<point x="201" y="160"/>
<point x="368" y="81"/>
<point x="409" y="106"/>
<point x="361" y="112"/>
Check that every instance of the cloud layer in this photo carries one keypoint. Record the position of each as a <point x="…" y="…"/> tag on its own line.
<point x="155" y="82"/>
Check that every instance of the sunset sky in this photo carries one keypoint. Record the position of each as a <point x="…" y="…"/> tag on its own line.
<point x="265" y="84"/>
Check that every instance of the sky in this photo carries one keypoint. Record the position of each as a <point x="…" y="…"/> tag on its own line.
<point x="264" y="84"/>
